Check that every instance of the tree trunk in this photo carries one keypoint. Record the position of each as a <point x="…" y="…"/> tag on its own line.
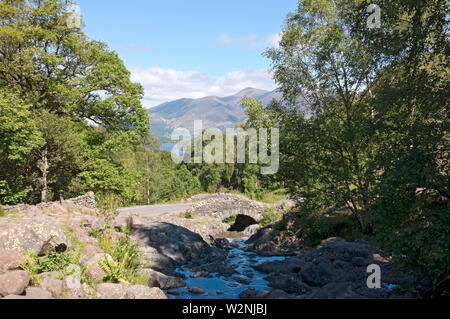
<point x="44" y="170"/>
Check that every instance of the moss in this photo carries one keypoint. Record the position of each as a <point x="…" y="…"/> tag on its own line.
<point x="230" y="220"/>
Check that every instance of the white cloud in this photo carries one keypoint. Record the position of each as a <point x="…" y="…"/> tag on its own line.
<point x="163" y="85"/>
<point x="249" y="41"/>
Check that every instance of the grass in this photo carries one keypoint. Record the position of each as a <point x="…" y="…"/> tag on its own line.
<point x="272" y="197"/>
<point x="2" y="212"/>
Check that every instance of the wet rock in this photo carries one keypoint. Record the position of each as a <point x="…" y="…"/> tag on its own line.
<point x="221" y="243"/>
<point x="242" y="279"/>
<point x="173" y="292"/>
<point x="221" y="268"/>
<point x="144" y="292"/>
<point x="200" y="274"/>
<point x="290" y="283"/>
<point x="252" y="293"/>
<point x="251" y="230"/>
<point x="196" y="290"/>
<point x="160" y="280"/>
<point x="278" y="294"/>
<point x="288" y="265"/>
<point x="13" y="282"/>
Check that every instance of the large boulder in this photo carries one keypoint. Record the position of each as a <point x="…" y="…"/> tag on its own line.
<point x="112" y="291"/>
<point x="94" y="268"/>
<point x="160" y="280"/>
<point x="318" y="275"/>
<point x="53" y="286"/>
<point x="36" y="235"/>
<point x="144" y="292"/>
<point x="73" y="289"/>
<point x="37" y="293"/>
<point x="10" y="260"/>
<point x="169" y="246"/>
<point x="290" y="283"/>
<point x="123" y="222"/>
<point x="13" y="282"/>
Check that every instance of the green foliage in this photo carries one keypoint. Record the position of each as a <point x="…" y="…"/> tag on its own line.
<point x="31" y="265"/>
<point x="364" y="125"/>
<point x="230" y="220"/>
<point x="188" y="214"/>
<point x="54" y="262"/>
<point x="125" y="263"/>
<point x="314" y="227"/>
<point x="54" y="84"/>
<point x="270" y="216"/>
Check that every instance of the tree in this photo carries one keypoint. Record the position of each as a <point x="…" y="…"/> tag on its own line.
<point x="18" y="136"/>
<point x="322" y="65"/>
<point x="78" y="93"/>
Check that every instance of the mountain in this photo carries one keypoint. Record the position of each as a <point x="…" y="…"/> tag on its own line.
<point x="218" y="112"/>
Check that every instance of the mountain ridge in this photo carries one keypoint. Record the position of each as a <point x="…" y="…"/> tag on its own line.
<point x="214" y="111"/>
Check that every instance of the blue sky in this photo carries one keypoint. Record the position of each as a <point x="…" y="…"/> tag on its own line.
<point x="191" y="49"/>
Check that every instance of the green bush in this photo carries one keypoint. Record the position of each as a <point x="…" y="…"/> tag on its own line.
<point x="418" y="235"/>
<point x="125" y="263"/>
<point x="230" y="220"/>
<point x="314" y="227"/>
<point x="188" y="214"/>
<point x="270" y="216"/>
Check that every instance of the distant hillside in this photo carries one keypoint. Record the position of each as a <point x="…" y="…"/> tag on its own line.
<point x="219" y="112"/>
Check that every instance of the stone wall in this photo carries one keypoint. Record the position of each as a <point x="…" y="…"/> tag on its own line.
<point x="86" y="201"/>
<point x="223" y="206"/>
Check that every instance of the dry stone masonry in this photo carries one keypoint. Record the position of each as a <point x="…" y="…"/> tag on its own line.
<point x="223" y="206"/>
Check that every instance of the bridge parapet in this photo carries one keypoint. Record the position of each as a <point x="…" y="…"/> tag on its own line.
<point x="223" y="206"/>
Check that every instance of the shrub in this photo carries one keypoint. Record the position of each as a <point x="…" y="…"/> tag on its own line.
<point x="230" y="220"/>
<point x="314" y="227"/>
<point x="270" y="216"/>
<point x="125" y="263"/>
<point x="188" y="214"/>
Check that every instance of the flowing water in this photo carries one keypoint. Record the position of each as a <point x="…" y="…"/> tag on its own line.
<point x="221" y="287"/>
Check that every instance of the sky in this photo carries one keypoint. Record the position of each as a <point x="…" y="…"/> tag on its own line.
<point x="190" y="49"/>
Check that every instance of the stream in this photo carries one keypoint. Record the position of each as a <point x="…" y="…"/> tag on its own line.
<point x="222" y="287"/>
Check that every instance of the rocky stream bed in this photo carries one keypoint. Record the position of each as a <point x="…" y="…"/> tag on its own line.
<point x="191" y="258"/>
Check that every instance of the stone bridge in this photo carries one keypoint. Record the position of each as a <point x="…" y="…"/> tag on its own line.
<point x="223" y="206"/>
